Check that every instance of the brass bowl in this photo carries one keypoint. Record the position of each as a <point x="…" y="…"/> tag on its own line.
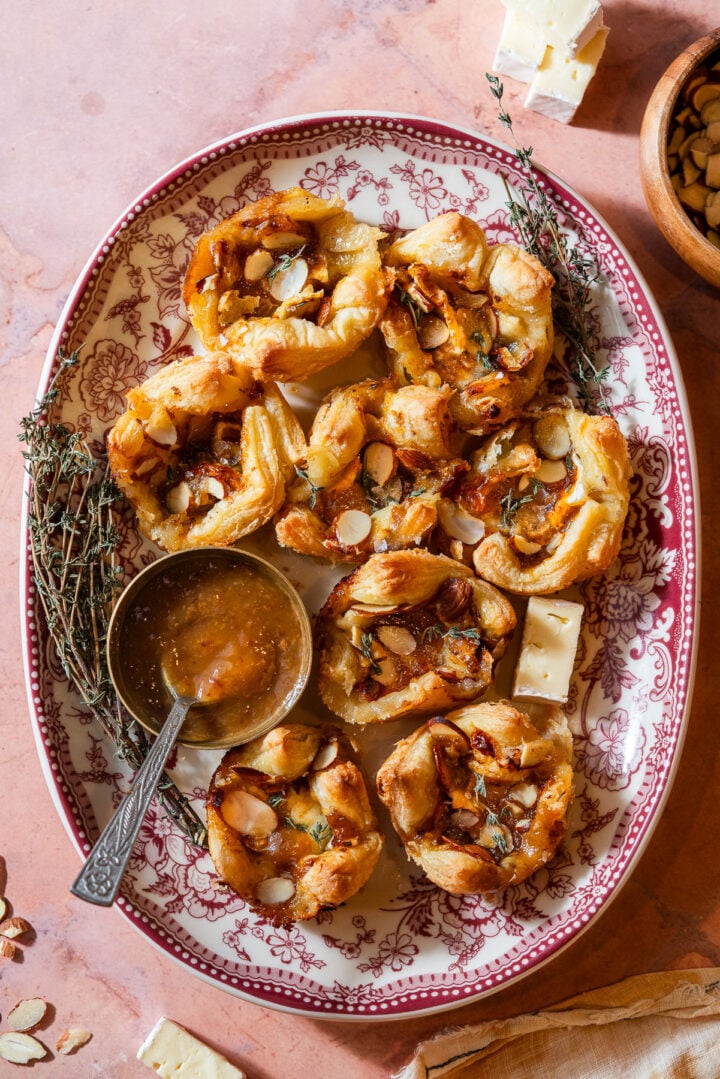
<point x="670" y="216"/>
<point x="200" y="728"/>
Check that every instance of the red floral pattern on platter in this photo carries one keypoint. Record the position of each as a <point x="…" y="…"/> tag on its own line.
<point x="401" y="946"/>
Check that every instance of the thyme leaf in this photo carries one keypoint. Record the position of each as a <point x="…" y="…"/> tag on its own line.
<point x="575" y="272"/>
<point x="321" y="832"/>
<point x="284" y="262"/>
<point x="313" y="489"/>
<point x="511" y="504"/>
<point x="366" y="643"/>
<point x="480" y="788"/>
<point x="416" y="311"/>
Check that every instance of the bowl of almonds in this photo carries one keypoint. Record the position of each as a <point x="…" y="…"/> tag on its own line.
<point x="680" y="156"/>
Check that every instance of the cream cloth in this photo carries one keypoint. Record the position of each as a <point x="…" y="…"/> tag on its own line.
<point x="631" y="1030"/>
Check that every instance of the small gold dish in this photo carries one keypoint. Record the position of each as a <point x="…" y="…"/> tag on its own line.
<point x="217" y="624"/>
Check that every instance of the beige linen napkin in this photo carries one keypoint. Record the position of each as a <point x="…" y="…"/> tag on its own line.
<point x="634" y="1029"/>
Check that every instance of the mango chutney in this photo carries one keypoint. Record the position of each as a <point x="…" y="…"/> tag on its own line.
<point x="218" y="625"/>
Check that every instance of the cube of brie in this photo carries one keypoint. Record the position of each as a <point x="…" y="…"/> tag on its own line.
<point x="559" y="86"/>
<point x="565" y="24"/>
<point x="520" y="49"/>
<point x="547" y="654"/>
<point x="171" y="1051"/>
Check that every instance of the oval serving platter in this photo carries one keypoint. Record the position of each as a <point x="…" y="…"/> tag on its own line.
<point x="401" y="947"/>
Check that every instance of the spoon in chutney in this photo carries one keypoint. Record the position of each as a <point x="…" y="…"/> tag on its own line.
<point x="218" y="631"/>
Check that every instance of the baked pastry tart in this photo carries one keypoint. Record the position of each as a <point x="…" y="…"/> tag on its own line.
<point x="479" y="797"/>
<point x="204" y="451"/>
<point x="290" y="826"/>
<point x="378" y="459"/>
<point x="409" y="633"/>
<point x="474" y="317"/>
<point x="547" y="496"/>
<point x="289" y="284"/>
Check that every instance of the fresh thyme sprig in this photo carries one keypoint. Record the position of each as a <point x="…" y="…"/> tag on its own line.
<point x="575" y="272"/>
<point x="73" y="547"/>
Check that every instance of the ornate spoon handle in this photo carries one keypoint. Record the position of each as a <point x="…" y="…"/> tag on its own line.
<point x="99" y="879"/>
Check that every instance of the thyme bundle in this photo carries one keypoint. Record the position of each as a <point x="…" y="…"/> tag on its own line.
<point x="575" y="272"/>
<point x="73" y="546"/>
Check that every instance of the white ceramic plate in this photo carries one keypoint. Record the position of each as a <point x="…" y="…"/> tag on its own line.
<point x="401" y="946"/>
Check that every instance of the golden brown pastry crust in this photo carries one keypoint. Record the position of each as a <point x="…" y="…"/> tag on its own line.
<point x="203" y="452"/>
<point x="552" y="490"/>
<point x="480" y="798"/>
<point x="453" y="626"/>
<point x="325" y="841"/>
<point x="491" y="305"/>
<point x="362" y="434"/>
<point x="322" y="319"/>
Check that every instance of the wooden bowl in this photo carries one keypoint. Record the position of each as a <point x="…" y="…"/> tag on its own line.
<point x="663" y="203"/>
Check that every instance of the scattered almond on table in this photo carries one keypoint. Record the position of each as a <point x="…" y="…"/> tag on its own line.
<point x="17" y="1045"/>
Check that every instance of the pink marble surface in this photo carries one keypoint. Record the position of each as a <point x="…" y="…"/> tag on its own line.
<point x="98" y="101"/>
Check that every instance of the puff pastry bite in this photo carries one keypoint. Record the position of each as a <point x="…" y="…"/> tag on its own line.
<point x="204" y="451"/>
<point x="479" y="797"/>
<point x="289" y="284"/>
<point x="290" y="826"/>
<point x="474" y="317"/>
<point x="409" y="633"/>
<point x="548" y="496"/>
<point x="378" y="459"/>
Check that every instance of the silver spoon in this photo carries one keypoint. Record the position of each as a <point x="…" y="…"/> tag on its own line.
<point x="99" y="879"/>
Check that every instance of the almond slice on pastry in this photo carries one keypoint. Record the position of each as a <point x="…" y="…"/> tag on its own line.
<point x="203" y="452"/>
<point x="409" y="633"/>
<point x="289" y="284"/>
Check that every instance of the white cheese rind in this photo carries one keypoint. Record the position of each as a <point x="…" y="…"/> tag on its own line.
<point x="520" y="50"/>
<point x="565" y="24"/>
<point x="547" y="653"/>
<point x="559" y="86"/>
<point x="173" y="1053"/>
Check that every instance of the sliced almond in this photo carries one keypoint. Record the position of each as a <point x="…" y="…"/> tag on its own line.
<point x="145" y="466"/>
<point x="712" y="171"/>
<point x="275" y="890"/>
<point x="694" y="195"/>
<point x="213" y="487"/>
<point x="433" y="332"/>
<point x="161" y="429"/>
<point x="178" y="498"/>
<point x="275" y="241"/>
<point x="699" y="151"/>
<point x="710" y="112"/>
<point x="289" y="281"/>
<point x="397" y="639"/>
<point x="247" y="814"/>
<point x="18" y="1048"/>
<point x="525" y="794"/>
<point x="459" y="524"/>
<point x="379" y="461"/>
<point x="551" y="472"/>
<point x="526" y="546"/>
<point x="72" y="1038"/>
<point x="712" y="210"/>
<point x="691" y="172"/>
<point x="257" y="264"/>
<point x="27" y="1014"/>
<point x="8" y="950"/>
<point x="3" y="907"/>
<point x="325" y="756"/>
<point x="463" y="818"/>
<point x="352" y="527"/>
<point x="471" y="300"/>
<point x="552" y="436"/>
<point x="707" y="91"/>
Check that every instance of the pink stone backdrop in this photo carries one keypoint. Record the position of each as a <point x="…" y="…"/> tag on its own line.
<point x="97" y="101"/>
